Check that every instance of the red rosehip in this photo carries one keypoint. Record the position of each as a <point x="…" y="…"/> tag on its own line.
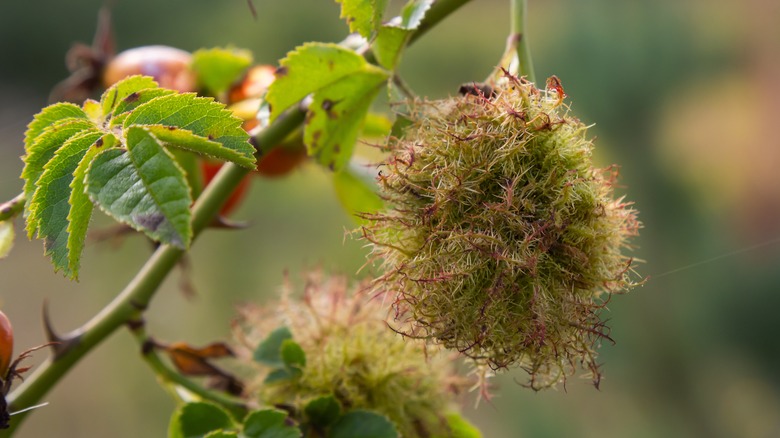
<point x="169" y="66"/>
<point x="6" y="343"/>
<point x="209" y="169"/>
<point x="280" y="161"/>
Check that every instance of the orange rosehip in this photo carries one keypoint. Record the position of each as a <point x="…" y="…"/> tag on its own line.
<point x="280" y="161"/>
<point x="169" y="66"/>
<point x="254" y="83"/>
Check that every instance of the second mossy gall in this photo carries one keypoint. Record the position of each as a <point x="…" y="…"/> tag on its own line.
<point x="352" y="355"/>
<point x="503" y="240"/>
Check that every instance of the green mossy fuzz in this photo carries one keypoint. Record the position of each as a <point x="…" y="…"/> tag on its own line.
<point x="503" y="241"/>
<point x="352" y="354"/>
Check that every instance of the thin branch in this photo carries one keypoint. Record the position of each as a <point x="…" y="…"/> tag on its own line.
<point x="518" y="40"/>
<point x="10" y="209"/>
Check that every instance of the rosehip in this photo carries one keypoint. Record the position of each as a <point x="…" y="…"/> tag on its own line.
<point x="280" y="161"/>
<point x="6" y="343"/>
<point x="169" y="66"/>
<point x="254" y="83"/>
<point x="209" y="169"/>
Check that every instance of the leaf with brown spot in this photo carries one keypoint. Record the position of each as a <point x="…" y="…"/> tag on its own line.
<point x="143" y="187"/>
<point x="337" y="114"/>
<point x="311" y="67"/>
<point x="363" y="16"/>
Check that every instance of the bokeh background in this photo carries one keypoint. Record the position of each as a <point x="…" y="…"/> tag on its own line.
<point x="685" y="96"/>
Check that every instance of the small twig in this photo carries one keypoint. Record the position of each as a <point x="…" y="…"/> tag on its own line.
<point x="518" y="40"/>
<point x="403" y="86"/>
<point x="10" y="209"/>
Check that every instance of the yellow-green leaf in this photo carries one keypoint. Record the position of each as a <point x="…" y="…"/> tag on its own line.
<point x="309" y="68"/>
<point x="123" y="89"/>
<point x="336" y="115"/>
<point x="363" y="16"/>
<point x="218" y="68"/>
<point x="50" y="207"/>
<point x="202" y="116"/>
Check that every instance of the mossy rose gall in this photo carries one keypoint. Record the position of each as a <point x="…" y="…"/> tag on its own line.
<point x="352" y="355"/>
<point x="503" y="240"/>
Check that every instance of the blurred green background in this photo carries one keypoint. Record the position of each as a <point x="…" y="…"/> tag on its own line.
<point x="685" y="97"/>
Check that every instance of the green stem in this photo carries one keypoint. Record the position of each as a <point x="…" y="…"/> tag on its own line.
<point x="10" y="209"/>
<point x="518" y="40"/>
<point x="138" y="293"/>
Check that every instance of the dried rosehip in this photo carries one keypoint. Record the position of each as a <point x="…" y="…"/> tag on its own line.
<point x="169" y="66"/>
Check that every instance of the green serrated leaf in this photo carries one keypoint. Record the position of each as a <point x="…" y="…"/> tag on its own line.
<point x="336" y="115"/>
<point x="322" y="411"/>
<point x="269" y="351"/>
<point x="120" y="91"/>
<point x="363" y="16"/>
<point x="44" y="145"/>
<point x="197" y="419"/>
<point x="49" y="206"/>
<point x="460" y="427"/>
<point x="413" y="13"/>
<point x="135" y="100"/>
<point x="389" y="42"/>
<point x="48" y="116"/>
<point x="80" y="205"/>
<point x="269" y="423"/>
<point x="200" y="115"/>
<point x="144" y="188"/>
<point x="391" y="38"/>
<point x="6" y="238"/>
<point x="218" y="68"/>
<point x="172" y="136"/>
<point x="307" y="69"/>
<point x="292" y="354"/>
<point x="357" y="193"/>
<point x="363" y="424"/>
<point x="221" y="434"/>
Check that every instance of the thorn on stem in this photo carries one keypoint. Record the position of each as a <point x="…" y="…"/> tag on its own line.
<point x="59" y="344"/>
